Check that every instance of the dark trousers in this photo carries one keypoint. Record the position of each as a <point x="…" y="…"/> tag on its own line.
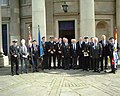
<point x="86" y="63"/>
<point x="81" y="61"/>
<point x="91" y="64"/>
<point x="66" y="63"/>
<point x="45" y="62"/>
<point x="59" y="58"/>
<point x="24" y="65"/>
<point x="14" y="61"/>
<point x="95" y="64"/>
<point x="54" y="61"/>
<point x="112" y="65"/>
<point x="106" y="62"/>
<point x="35" y="64"/>
<point x="74" y="62"/>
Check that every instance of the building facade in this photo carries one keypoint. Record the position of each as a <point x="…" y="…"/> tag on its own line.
<point x="83" y="18"/>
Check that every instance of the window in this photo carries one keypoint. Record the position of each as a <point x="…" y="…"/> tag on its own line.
<point x="4" y="2"/>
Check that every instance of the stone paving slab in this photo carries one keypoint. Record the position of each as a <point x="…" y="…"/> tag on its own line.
<point x="59" y="83"/>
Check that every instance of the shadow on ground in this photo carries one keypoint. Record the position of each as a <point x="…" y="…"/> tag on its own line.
<point x="71" y="72"/>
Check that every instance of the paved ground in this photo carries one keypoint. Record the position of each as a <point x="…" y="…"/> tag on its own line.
<point x="59" y="83"/>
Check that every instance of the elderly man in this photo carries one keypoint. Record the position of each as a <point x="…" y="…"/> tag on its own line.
<point x="95" y="54"/>
<point x="66" y="54"/>
<point x="74" y="53"/>
<point x="24" y="57"/>
<point x="80" y="53"/>
<point x="14" y="53"/>
<point x="35" y="55"/>
<point x="86" y="53"/>
<point x="105" y="52"/>
<point x="113" y="54"/>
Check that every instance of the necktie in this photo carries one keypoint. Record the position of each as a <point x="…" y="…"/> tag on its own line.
<point x="74" y="47"/>
<point x="80" y="45"/>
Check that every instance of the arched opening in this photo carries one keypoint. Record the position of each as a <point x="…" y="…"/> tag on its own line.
<point x="102" y="28"/>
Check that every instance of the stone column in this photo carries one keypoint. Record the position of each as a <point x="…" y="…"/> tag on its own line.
<point x="1" y="49"/>
<point x="87" y="18"/>
<point x="14" y="20"/>
<point x="118" y="18"/>
<point x="38" y="18"/>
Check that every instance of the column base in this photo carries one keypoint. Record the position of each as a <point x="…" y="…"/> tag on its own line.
<point x="1" y="59"/>
<point x="4" y="61"/>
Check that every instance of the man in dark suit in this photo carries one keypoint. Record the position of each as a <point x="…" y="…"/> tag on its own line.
<point x="91" y="60"/>
<point x="59" y="53"/>
<point x="86" y="53"/>
<point x="80" y="53"/>
<point x="95" y="54"/>
<point x="52" y="52"/>
<point x="36" y="55"/>
<point x="74" y="53"/>
<point x="66" y="54"/>
<point x="45" y="56"/>
<point x="105" y="52"/>
<point x="15" y="54"/>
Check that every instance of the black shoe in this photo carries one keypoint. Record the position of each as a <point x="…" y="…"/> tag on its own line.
<point x="17" y="73"/>
<point x="37" y="70"/>
<point x="33" y="71"/>
<point x="98" y="71"/>
<point x="105" y="71"/>
<point x="12" y="74"/>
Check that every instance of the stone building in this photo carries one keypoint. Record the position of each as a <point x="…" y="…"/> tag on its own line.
<point x="83" y="18"/>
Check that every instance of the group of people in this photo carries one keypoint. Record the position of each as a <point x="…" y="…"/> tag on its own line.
<point x="59" y="53"/>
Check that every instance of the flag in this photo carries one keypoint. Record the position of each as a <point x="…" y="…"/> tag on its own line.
<point x="29" y="39"/>
<point x="40" y="43"/>
<point x="115" y="38"/>
<point x="115" y="54"/>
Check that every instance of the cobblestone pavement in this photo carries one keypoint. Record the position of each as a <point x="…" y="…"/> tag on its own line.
<point x="59" y="83"/>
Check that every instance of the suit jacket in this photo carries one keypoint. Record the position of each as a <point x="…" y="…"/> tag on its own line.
<point x="14" y="51"/>
<point x="23" y="52"/>
<point x="74" y="52"/>
<point x="80" y="48"/>
<point x="44" y="45"/>
<point x="86" y="49"/>
<point x="52" y="46"/>
<point x="66" y="51"/>
<point x="96" y="51"/>
<point x="36" y="51"/>
<point x="59" y="50"/>
<point x="111" y="49"/>
<point x="105" y="48"/>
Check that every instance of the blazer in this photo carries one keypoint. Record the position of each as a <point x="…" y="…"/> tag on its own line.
<point x="14" y="51"/>
<point x="96" y="51"/>
<point x="74" y="52"/>
<point x="105" y="49"/>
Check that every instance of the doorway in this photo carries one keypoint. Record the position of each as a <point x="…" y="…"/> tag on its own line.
<point x="67" y="29"/>
<point x="4" y="39"/>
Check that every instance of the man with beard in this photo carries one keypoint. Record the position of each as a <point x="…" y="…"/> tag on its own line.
<point x="86" y="53"/>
